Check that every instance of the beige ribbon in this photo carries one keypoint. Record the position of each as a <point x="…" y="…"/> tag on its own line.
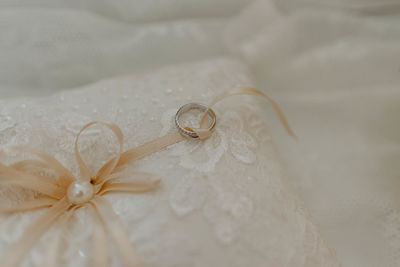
<point x="53" y="192"/>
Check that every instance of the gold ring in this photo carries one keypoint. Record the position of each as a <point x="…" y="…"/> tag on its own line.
<point x="188" y="131"/>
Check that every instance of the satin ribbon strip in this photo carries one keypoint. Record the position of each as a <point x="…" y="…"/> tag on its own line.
<point x="115" y="227"/>
<point x="17" y="251"/>
<point x="254" y="92"/>
<point x="54" y="245"/>
<point x="60" y="209"/>
<point x="99" y="241"/>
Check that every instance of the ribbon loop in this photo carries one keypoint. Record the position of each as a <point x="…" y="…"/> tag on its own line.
<point x="107" y="168"/>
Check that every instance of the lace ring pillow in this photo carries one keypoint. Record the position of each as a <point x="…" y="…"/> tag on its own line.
<point x="221" y="201"/>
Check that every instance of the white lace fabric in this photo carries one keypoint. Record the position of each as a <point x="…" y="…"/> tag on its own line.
<point x="222" y="202"/>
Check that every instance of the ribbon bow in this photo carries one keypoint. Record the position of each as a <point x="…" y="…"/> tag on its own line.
<point x="65" y="194"/>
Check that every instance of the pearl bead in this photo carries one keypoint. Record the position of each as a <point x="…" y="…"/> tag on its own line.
<point x="80" y="192"/>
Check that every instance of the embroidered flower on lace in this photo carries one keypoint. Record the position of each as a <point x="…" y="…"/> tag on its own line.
<point x="226" y="210"/>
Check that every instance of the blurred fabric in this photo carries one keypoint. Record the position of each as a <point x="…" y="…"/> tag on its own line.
<point x="334" y="67"/>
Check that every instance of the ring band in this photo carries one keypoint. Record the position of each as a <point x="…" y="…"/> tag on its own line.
<point x="185" y="108"/>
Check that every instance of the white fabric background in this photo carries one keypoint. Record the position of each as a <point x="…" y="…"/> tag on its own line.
<point x="334" y="66"/>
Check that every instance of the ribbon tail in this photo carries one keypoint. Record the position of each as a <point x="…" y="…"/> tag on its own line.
<point x="118" y="233"/>
<point x="29" y="165"/>
<point x="29" y="205"/>
<point x="129" y="174"/>
<point x="64" y="175"/>
<point x="250" y="91"/>
<point x="35" y="184"/>
<point x="129" y="187"/>
<point x="17" y="251"/>
<point x="54" y="245"/>
<point x="99" y="241"/>
<point x="107" y="168"/>
<point x="45" y="185"/>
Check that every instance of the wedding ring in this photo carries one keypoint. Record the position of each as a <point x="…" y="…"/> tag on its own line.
<point x="191" y="106"/>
